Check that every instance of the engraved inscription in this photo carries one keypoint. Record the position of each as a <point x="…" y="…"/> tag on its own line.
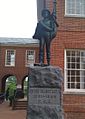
<point x="44" y="96"/>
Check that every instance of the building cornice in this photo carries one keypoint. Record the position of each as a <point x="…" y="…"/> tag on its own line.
<point x="22" y="42"/>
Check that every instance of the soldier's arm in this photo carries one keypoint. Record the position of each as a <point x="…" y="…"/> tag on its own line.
<point x="46" y="27"/>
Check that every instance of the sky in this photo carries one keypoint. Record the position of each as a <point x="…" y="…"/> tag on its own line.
<point x="18" y="18"/>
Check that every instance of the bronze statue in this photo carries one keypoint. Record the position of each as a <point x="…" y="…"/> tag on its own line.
<point x="45" y="31"/>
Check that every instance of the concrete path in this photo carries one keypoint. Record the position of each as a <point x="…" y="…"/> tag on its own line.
<point x="6" y="112"/>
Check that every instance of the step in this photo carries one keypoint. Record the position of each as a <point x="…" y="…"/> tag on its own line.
<point x="19" y="105"/>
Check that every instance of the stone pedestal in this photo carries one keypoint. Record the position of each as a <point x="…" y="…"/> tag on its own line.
<point x="44" y="93"/>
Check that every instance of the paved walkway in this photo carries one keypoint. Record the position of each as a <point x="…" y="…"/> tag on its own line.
<point x="7" y="113"/>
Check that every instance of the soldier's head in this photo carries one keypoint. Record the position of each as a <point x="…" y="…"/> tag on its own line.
<point x="45" y="13"/>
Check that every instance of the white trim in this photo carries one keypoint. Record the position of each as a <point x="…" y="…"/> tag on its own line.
<point x="6" y="58"/>
<point x="75" y="90"/>
<point x="66" y="89"/>
<point x="64" y="70"/>
<point x="27" y="64"/>
<point x="65" y="7"/>
<point x="76" y="16"/>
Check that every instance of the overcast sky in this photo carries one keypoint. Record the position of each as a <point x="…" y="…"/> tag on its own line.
<point x="18" y="18"/>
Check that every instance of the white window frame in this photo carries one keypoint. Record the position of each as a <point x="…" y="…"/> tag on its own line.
<point x="30" y="62"/>
<point x="10" y="63"/>
<point x="82" y="14"/>
<point x="66" y="89"/>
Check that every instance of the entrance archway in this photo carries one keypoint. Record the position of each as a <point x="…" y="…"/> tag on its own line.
<point x="25" y="85"/>
<point x="6" y="81"/>
<point x="10" y="80"/>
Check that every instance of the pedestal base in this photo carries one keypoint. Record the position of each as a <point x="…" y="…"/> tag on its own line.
<point x="45" y="95"/>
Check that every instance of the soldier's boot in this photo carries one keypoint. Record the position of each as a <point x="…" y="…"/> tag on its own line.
<point x="41" y="58"/>
<point x="48" y="58"/>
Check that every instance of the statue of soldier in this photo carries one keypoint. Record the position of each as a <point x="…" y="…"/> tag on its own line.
<point x="45" y="31"/>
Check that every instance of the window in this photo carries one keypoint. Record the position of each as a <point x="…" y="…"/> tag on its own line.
<point x="30" y="57"/>
<point x="75" y="70"/>
<point x="10" y="58"/>
<point x="75" y="8"/>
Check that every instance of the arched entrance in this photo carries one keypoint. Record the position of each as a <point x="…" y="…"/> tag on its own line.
<point x="25" y="85"/>
<point x="6" y="81"/>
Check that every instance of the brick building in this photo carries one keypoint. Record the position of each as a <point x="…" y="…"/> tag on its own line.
<point x="16" y="54"/>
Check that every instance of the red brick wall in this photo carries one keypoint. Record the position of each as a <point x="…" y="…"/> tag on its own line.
<point x="20" y="70"/>
<point x="74" y="106"/>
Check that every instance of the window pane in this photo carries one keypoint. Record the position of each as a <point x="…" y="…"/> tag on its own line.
<point x="68" y="72"/>
<point x="73" y="65"/>
<point x="78" y="85"/>
<point x="68" y="53"/>
<point x="73" y="59"/>
<point x="73" y="79"/>
<point x="77" y="59"/>
<point x="78" y="73"/>
<point x="77" y="65"/>
<point x="68" y="65"/>
<point x="68" y="79"/>
<point x="78" y="79"/>
<point x="69" y="85"/>
<point x="73" y="53"/>
<point x="68" y="59"/>
<point x="73" y="72"/>
<point x="72" y="85"/>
